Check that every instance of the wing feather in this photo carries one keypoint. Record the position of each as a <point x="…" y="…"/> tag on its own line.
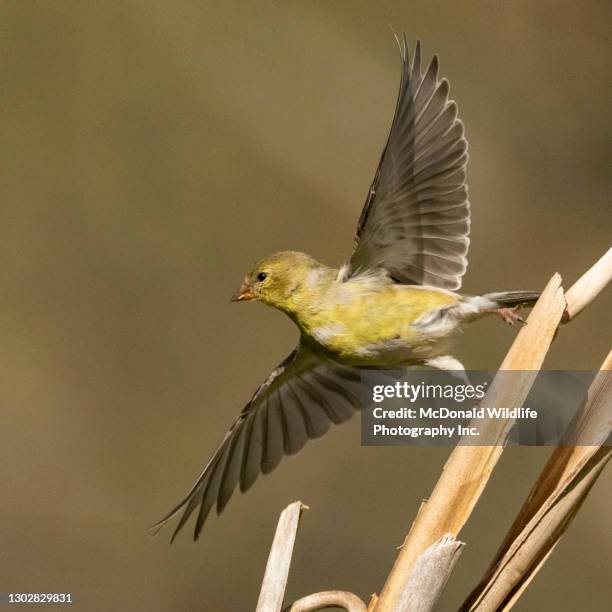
<point x="298" y="401"/>
<point x="416" y="219"/>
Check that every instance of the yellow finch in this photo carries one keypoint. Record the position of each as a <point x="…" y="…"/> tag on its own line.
<point x="392" y="305"/>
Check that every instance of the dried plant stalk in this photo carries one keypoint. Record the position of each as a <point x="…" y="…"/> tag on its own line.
<point x="328" y="599"/>
<point x="468" y="468"/>
<point x="277" y="569"/>
<point x="553" y="502"/>
<point x="430" y="574"/>
<point x="590" y="284"/>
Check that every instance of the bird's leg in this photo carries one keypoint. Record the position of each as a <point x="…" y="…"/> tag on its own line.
<point x="509" y="315"/>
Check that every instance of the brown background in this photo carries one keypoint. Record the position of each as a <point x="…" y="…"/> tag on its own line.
<point x="152" y="150"/>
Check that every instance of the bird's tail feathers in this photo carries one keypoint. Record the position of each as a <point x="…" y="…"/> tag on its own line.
<point x="507" y="299"/>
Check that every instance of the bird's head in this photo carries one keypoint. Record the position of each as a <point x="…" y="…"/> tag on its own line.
<point x="275" y="279"/>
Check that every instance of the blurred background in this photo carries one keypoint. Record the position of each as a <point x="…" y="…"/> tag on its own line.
<point x="151" y="151"/>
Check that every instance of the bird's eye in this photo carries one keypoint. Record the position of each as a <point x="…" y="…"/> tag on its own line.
<point x="262" y="277"/>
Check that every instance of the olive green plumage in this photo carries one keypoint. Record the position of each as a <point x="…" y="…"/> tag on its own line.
<point x="365" y="320"/>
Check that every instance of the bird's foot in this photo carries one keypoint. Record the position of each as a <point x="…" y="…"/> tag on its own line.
<point x="510" y="315"/>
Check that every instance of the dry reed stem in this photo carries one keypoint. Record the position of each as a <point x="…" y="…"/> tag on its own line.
<point x="430" y="574"/>
<point x="327" y="599"/>
<point x="277" y="569"/>
<point x="373" y="602"/>
<point x="468" y="468"/>
<point x="552" y="503"/>
<point x="588" y="286"/>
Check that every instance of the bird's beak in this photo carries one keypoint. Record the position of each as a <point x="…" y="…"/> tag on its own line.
<point x="244" y="294"/>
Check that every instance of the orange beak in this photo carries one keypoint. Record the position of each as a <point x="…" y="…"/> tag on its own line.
<point x="244" y="294"/>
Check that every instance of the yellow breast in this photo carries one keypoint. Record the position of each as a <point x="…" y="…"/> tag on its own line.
<point x="366" y="323"/>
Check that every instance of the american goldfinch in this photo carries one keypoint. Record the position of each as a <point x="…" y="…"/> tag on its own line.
<point x="394" y="304"/>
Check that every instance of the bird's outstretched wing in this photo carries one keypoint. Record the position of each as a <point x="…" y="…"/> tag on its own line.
<point x="300" y="399"/>
<point x="416" y="218"/>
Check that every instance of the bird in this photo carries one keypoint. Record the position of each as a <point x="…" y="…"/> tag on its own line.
<point x="394" y="304"/>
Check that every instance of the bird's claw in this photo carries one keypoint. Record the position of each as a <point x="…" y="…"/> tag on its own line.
<point x="510" y="315"/>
